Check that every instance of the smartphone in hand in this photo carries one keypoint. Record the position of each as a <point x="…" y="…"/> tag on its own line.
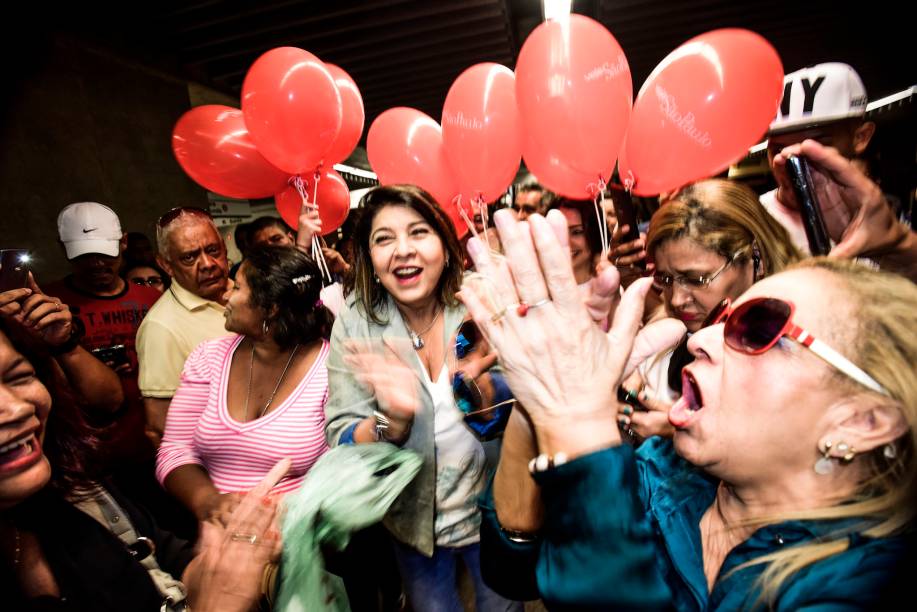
<point x="14" y="269"/>
<point x="626" y="213"/>
<point x="115" y="355"/>
<point x="797" y="169"/>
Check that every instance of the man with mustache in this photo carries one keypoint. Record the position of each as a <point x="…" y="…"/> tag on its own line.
<point x="192" y="252"/>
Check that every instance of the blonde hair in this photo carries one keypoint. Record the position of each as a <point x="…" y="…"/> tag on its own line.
<point x="884" y="307"/>
<point x="724" y="217"/>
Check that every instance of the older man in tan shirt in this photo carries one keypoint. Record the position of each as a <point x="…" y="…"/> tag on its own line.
<point x="189" y="312"/>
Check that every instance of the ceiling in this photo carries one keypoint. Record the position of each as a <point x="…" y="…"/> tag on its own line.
<point x="408" y="52"/>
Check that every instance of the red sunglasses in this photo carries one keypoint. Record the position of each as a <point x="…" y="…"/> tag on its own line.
<point x="756" y="325"/>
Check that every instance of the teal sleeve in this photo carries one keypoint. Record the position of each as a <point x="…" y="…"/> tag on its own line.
<point x="598" y="550"/>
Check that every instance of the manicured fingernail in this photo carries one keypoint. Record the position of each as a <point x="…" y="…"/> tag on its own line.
<point x="642" y="396"/>
<point x="624" y="420"/>
<point x="628" y="410"/>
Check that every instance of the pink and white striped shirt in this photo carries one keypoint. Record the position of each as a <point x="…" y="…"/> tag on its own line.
<point x="200" y="430"/>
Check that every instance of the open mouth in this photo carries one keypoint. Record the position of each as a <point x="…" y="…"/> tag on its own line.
<point x="19" y="453"/>
<point x="407" y="274"/>
<point x="691" y="402"/>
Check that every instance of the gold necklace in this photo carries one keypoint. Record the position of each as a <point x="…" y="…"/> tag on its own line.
<point x="248" y="392"/>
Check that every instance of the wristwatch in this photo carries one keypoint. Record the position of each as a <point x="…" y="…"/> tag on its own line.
<point x="382" y="425"/>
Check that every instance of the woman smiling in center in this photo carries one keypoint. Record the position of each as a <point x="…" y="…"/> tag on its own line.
<point x="390" y="382"/>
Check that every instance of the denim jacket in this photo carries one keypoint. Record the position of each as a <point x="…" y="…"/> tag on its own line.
<point x="621" y="531"/>
<point x="410" y="519"/>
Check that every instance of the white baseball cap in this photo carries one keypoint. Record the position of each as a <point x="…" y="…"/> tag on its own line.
<point x="819" y="94"/>
<point x="89" y="227"/>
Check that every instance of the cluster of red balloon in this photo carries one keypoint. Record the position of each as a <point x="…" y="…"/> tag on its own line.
<point x="299" y="117"/>
<point x="567" y="110"/>
<point x="469" y="161"/>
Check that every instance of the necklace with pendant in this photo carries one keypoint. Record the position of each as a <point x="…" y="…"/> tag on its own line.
<point x="416" y="340"/>
<point x="248" y="392"/>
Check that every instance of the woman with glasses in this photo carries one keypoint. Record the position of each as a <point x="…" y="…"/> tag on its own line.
<point x="711" y="241"/>
<point x="389" y="377"/>
<point x="791" y="480"/>
<point x="147" y="275"/>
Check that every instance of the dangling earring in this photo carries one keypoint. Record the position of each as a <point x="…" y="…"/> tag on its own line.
<point x="756" y="259"/>
<point x="447" y="260"/>
<point x="825" y="465"/>
<point x="264" y="327"/>
<point x="376" y="278"/>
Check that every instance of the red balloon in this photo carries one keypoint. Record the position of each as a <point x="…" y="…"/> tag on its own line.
<point x="558" y="176"/>
<point x="213" y="147"/>
<point x="700" y="110"/>
<point x="482" y="131"/>
<point x="406" y="146"/>
<point x="292" y="108"/>
<point x="352" y="116"/>
<point x="574" y="90"/>
<point x="451" y="210"/>
<point x="333" y="200"/>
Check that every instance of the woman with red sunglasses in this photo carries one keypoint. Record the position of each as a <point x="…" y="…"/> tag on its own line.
<point x="710" y="241"/>
<point x="792" y="477"/>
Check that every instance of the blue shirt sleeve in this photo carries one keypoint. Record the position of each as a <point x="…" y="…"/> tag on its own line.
<point x="347" y="436"/>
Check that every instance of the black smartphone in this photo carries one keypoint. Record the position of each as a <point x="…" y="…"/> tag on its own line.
<point x="116" y="355"/>
<point x="626" y="213"/>
<point x="14" y="269"/>
<point x="798" y="170"/>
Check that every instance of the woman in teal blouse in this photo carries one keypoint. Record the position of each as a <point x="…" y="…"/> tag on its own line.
<point x="791" y="479"/>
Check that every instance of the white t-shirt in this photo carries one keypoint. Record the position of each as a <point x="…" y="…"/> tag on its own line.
<point x="460" y="468"/>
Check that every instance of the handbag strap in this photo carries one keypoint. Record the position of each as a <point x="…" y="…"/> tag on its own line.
<point x="103" y="507"/>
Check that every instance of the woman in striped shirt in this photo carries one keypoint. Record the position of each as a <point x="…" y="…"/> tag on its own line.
<point x="249" y="399"/>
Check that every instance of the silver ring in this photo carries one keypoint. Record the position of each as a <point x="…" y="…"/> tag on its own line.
<point x="249" y="538"/>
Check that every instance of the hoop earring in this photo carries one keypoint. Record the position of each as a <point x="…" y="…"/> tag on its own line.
<point x="264" y="327"/>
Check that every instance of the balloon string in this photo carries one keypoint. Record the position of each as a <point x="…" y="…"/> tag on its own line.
<point x="457" y="202"/>
<point x="317" y="254"/>
<point x="478" y="202"/>
<point x="598" y="203"/>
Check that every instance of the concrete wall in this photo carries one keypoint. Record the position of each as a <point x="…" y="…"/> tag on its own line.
<point x="80" y="125"/>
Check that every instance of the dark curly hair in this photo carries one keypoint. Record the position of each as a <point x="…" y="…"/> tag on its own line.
<point x="286" y="278"/>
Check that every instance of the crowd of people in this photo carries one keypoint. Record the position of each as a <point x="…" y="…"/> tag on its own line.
<point x="702" y="418"/>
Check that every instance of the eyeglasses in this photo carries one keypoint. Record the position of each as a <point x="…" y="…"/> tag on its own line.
<point x="152" y="281"/>
<point x="665" y="281"/>
<point x="176" y="212"/>
<point x="756" y="325"/>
